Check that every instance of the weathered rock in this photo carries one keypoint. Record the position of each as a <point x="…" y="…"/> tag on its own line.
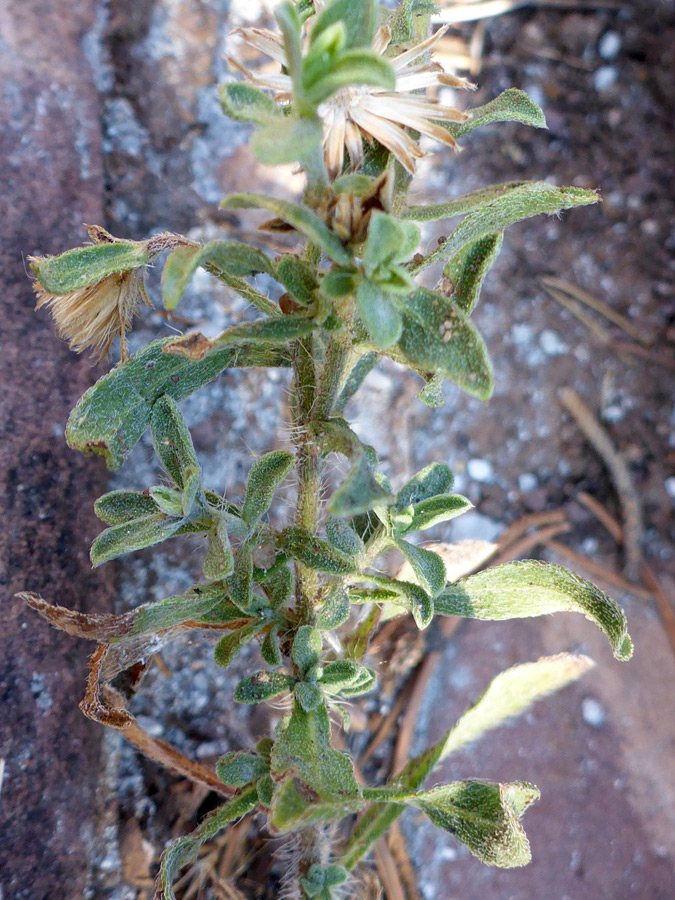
<point x="52" y="182"/>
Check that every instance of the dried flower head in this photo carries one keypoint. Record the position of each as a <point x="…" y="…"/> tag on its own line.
<point x="359" y="111"/>
<point x="91" y="315"/>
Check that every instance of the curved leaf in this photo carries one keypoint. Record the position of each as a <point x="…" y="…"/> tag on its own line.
<point x="532" y="588"/>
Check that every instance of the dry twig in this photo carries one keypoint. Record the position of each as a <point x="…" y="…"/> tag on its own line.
<point x="623" y="482"/>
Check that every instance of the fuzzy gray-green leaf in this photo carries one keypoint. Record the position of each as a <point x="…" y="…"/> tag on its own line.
<point x="133" y="535"/>
<point x="427" y="566"/>
<point x="530" y="199"/>
<point x="77" y="268"/>
<point x="484" y="817"/>
<point x="465" y="273"/>
<point x="335" y="609"/>
<point x="118" y="507"/>
<point x="315" y="553"/>
<point x="263" y="686"/>
<point x="246" y="103"/>
<point x="510" y="106"/>
<point x="532" y="588"/>
<point x="263" y="479"/>
<point x="113" y="414"/>
<point x="228" y="647"/>
<point x="172" y="440"/>
<point x="458" y="206"/>
<point x="236" y="770"/>
<point x="439" y="338"/>
<point x="230" y="257"/>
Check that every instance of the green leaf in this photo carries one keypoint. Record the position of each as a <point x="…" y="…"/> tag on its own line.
<point x="241" y="582"/>
<point x="432" y="512"/>
<point x="184" y="850"/>
<point x="335" y="610"/>
<point x="363" y="684"/>
<point x="532" y="588"/>
<point x="465" y="273"/>
<point x="427" y="566"/>
<point x="297" y="277"/>
<point x="439" y="338"/>
<point x="118" y="507"/>
<point x="113" y="414"/>
<point x="379" y="315"/>
<point x="306" y="651"/>
<point x="359" y="18"/>
<point x="405" y="593"/>
<point x="133" y="535"/>
<point x="219" y="561"/>
<point x="286" y="141"/>
<point x="172" y="440"/>
<point x="266" y="788"/>
<point x="431" y="481"/>
<point x="265" y="476"/>
<point x="300" y="217"/>
<point x="508" y="695"/>
<point x="510" y="106"/>
<point x="229" y="257"/>
<point x="389" y="241"/>
<point x="304" y="758"/>
<point x="458" y="206"/>
<point x="236" y="770"/>
<point x="168" y="500"/>
<point x="263" y="686"/>
<point x="75" y="269"/>
<point x="308" y="695"/>
<point x="352" y="67"/>
<point x="364" y="487"/>
<point x="267" y="331"/>
<point x="269" y="649"/>
<point x="341" y="674"/>
<point x="246" y="103"/>
<point x="344" y="537"/>
<point x="530" y="199"/>
<point x="485" y="817"/>
<point x="194" y="606"/>
<point x="319" y="881"/>
<point x="228" y="647"/>
<point x="432" y="393"/>
<point x="315" y="553"/>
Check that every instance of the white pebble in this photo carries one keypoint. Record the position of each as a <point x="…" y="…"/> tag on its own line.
<point x="609" y="45"/>
<point x="593" y="713"/>
<point x="669" y="485"/>
<point x="551" y="343"/>
<point x="480" y="470"/>
<point x="527" y="482"/>
<point x="604" y="78"/>
<point x="521" y="333"/>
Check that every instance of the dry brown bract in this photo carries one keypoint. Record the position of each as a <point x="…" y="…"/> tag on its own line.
<point x="371" y="112"/>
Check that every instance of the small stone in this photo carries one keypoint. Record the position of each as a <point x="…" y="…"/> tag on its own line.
<point x="593" y="712"/>
<point x="527" y="482"/>
<point x="480" y="470"/>
<point x="669" y="485"/>
<point x="604" y="78"/>
<point x="609" y="45"/>
<point x="551" y="343"/>
<point x="612" y="414"/>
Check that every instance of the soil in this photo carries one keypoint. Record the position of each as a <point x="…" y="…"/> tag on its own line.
<point x="153" y="152"/>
